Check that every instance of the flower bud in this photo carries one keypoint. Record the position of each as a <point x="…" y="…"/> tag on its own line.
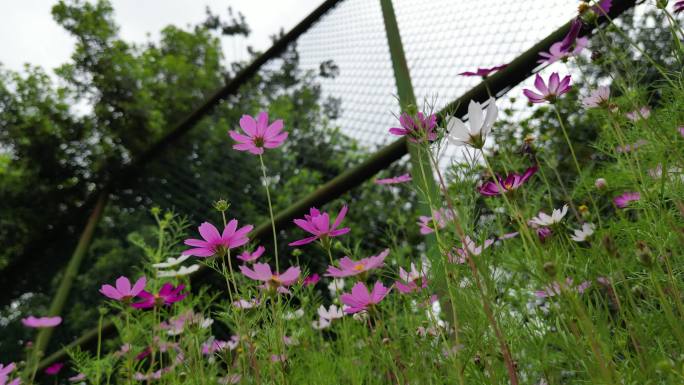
<point x="221" y="205"/>
<point x="661" y="4"/>
<point x="600" y="183"/>
<point x="596" y="56"/>
<point x="610" y="246"/>
<point x="644" y="253"/>
<point x="550" y="269"/>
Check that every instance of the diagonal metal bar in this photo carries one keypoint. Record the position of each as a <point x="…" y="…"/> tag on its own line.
<point x="517" y="70"/>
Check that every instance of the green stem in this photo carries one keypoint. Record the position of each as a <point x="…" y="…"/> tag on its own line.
<point x="270" y="211"/>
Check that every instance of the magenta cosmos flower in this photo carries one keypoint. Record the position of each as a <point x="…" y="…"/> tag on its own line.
<point x="418" y="129"/>
<point x="349" y="267"/>
<point x="246" y="256"/>
<point x="168" y="294"/>
<point x="360" y="298"/>
<point x="394" y="180"/>
<point x="54" y="369"/>
<point x="679" y="6"/>
<point x="259" y="134"/>
<point x="556" y="87"/>
<point x="311" y="279"/>
<point x="318" y="224"/>
<point x="557" y="52"/>
<point x="41" y="322"/>
<point x="215" y="243"/>
<point x="262" y="272"/>
<point x="511" y="183"/>
<point x="623" y="200"/>
<point x="123" y="290"/>
<point x="484" y="72"/>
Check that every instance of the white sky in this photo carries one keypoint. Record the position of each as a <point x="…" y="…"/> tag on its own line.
<point x="28" y="34"/>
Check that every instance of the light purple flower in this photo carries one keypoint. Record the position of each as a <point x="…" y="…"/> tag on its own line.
<point x="251" y="257"/>
<point x="258" y="134"/>
<point x="318" y="224"/>
<point x="556" y="87"/>
<point x="349" y="267"/>
<point x="681" y="129"/>
<point x="360" y="298"/>
<point x="411" y="280"/>
<point x="556" y="288"/>
<point x="557" y="52"/>
<point x="272" y="280"/>
<point x="598" y="98"/>
<point x="512" y="182"/>
<point x="123" y="290"/>
<point x="246" y="304"/>
<point x="213" y="243"/>
<point x="631" y="147"/>
<point x="637" y="115"/>
<point x="437" y="221"/>
<point x="484" y="72"/>
<point x="77" y="378"/>
<point x="394" y="180"/>
<point x="41" y="322"/>
<point x="417" y="130"/>
<point x="623" y="200"/>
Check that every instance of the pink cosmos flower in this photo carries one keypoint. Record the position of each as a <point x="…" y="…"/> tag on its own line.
<point x="251" y="257"/>
<point x="411" y="281"/>
<point x="318" y="224"/>
<point x="311" y="279"/>
<point x="54" y="369"/>
<point x="555" y="88"/>
<point x="41" y="322"/>
<point x="262" y="272"/>
<point x="168" y="294"/>
<point x="572" y="35"/>
<point x="598" y="98"/>
<point x="602" y="7"/>
<point x="484" y="72"/>
<point x="259" y="134"/>
<point x="123" y="290"/>
<point x="213" y="345"/>
<point x="437" y="221"/>
<point x="473" y="248"/>
<point x="215" y="243"/>
<point x="5" y="371"/>
<point x="360" y="298"/>
<point x="556" y="51"/>
<point x="631" y="147"/>
<point x="394" y="180"/>
<point x="543" y="233"/>
<point x="246" y="304"/>
<point x="681" y="129"/>
<point x="417" y="129"/>
<point x="637" y="115"/>
<point x="512" y="182"/>
<point x="77" y="378"/>
<point x="555" y="288"/>
<point x="349" y="267"/>
<point x="623" y="200"/>
<point x="679" y="6"/>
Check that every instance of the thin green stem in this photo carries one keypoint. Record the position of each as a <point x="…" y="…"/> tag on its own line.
<point x="270" y="211"/>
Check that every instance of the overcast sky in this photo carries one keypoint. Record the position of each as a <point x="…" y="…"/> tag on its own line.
<point x="29" y="34"/>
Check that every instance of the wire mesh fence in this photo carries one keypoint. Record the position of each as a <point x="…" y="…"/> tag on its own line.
<point x="441" y="38"/>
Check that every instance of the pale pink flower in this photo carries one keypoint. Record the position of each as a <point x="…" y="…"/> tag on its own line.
<point x="318" y="224"/>
<point x="349" y="267"/>
<point x="548" y="93"/>
<point x="417" y="129"/>
<point x="437" y="221"/>
<point x="41" y="322"/>
<point x="411" y="280"/>
<point x="598" y="98"/>
<point x="123" y="290"/>
<point x="253" y="256"/>
<point x="637" y="115"/>
<point x="258" y="134"/>
<point x="77" y="378"/>
<point x="360" y="298"/>
<point x="246" y="304"/>
<point x="272" y="280"/>
<point x="394" y="180"/>
<point x="631" y="147"/>
<point x="214" y="243"/>
<point x="557" y="52"/>
<point x="556" y="288"/>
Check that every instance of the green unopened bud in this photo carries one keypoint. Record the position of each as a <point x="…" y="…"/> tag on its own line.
<point x="664" y="366"/>
<point x="644" y="253"/>
<point x="297" y="253"/>
<point x="221" y="205"/>
<point x="610" y="246"/>
<point x="661" y="4"/>
<point x="155" y="210"/>
<point x="550" y="269"/>
<point x="338" y="245"/>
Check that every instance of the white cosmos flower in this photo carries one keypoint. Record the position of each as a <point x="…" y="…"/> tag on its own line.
<point x="544" y="219"/>
<point x="171" y="262"/>
<point x="321" y="324"/>
<point x="332" y="313"/>
<point x="293" y="315"/>
<point x="335" y="286"/>
<point x="184" y="270"/>
<point x="480" y="121"/>
<point x="585" y="232"/>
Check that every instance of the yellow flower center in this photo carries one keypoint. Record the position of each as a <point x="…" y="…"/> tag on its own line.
<point x="359" y="267"/>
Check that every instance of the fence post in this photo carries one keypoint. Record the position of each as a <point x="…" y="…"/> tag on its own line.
<point x="70" y="273"/>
